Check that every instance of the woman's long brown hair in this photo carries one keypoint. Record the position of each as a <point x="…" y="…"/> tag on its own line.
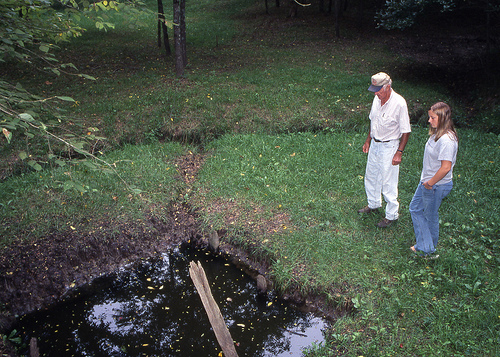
<point x="445" y="124"/>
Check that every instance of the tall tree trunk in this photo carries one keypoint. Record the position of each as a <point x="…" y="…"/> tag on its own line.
<point x="183" y="32"/>
<point x="489" y="9"/>
<point x="360" y="12"/>
<point x="337" y="17"/>
<point x="180" y="37"/>
<point x="162" y="28"/>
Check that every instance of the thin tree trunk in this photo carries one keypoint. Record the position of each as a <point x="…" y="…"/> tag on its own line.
<point x="163" y="28"/>
<point x="337" y="18"/>
<point x="180" y="45"/>
<point x="183" y="32"/>
<point x="488" y="26"/>
<point x="360" y="12"/>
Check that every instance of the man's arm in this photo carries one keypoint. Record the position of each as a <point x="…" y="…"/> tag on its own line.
<point x="396" y="160"/>
<point x="366" y="145"/>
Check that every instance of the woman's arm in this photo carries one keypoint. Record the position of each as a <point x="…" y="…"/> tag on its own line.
<point x="443" y="170"/>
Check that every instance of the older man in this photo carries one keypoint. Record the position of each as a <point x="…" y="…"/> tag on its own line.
<point x="389" y="132"/>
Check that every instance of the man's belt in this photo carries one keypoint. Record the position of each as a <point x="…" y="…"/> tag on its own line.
<point x="380" y="141"/>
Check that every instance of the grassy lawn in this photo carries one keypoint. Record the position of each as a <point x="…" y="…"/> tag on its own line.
<point x="310" y="186"/>
<point x="279" y="107"/>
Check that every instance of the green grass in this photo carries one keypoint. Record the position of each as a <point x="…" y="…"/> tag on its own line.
<point x="280" y="108"/>
<point x="404" y="305"/>
<point x="246" y="73"/>
<point x="36" y="204"/>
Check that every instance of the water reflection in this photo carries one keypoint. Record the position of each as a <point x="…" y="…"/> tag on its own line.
<point x="154" y="310"/>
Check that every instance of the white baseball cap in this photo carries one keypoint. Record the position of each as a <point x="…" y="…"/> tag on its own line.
<point x="378" y="81"/>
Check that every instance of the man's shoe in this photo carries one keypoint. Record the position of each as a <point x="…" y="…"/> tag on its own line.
<point x="385" y="223"/>
<point x="367" y="210"/>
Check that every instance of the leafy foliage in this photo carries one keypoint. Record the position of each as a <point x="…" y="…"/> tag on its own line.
<point x="400" y="14"/>
<point x="30" y="32"/>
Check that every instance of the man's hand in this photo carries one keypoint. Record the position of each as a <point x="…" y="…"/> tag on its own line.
<point x="396" y="160"/>
<point x="366" y="147"/>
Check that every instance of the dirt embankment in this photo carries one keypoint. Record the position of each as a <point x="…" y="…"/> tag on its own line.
<point x="37" y="273"/>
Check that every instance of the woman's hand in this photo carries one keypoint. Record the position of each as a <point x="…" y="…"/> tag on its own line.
<point x="443" y="170"/>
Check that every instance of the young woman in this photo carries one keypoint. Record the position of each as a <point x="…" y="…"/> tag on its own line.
<point x="436" y="179"/>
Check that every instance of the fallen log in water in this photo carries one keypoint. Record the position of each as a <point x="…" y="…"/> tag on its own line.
<point x="214" y="315"/>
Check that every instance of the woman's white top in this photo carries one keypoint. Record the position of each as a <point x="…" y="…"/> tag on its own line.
<point x="435" y="151"/>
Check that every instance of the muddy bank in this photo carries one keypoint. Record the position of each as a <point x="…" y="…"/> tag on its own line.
<point x="38" y="273"/>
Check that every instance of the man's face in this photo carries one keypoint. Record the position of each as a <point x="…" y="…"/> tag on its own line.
<point x="384" y="93"/>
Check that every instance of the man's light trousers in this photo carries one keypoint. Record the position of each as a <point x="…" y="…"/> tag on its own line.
<point x="381" y="177"/>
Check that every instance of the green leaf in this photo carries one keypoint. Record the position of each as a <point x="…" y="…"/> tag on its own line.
<point x="8" y="134"/>
<point x="90" y="165"/>
<point x="71" y="65"/>
<point x="67" y="99"/>
<point x="26" y="117"/>
<point x="11" y="125"/>
<point x="35" y="165"/>
<point x="68" y="185"/>
<point x="169" y="24"/>
<point x="79" y="146"/>
<point x="86" y="76"/>
<point x="79" y="187"/>
<point x="44" y="48"/>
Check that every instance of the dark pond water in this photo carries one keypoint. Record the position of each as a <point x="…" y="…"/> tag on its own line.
<point x="154" y="310"/>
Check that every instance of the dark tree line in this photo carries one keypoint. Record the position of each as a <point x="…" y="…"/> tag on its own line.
<point x="386" y="14"/>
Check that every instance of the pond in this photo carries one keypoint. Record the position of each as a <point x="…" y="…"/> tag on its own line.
<point x="155" y="310"/>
